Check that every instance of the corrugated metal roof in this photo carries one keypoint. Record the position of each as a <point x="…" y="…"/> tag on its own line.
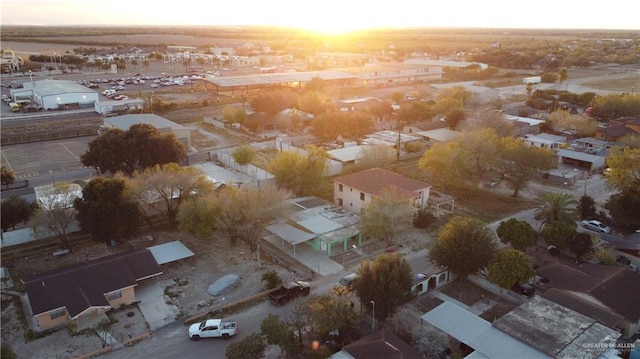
<point x="579" y="156"/>
<point x="287" y="77"/>
<point x="125" y="122"/>
<point x="320" y="224"/>
<point x="346" y="154"/>
<point x="479" y="334"/>
<point x="289" y="233"/>
<point x="170" y="252"/>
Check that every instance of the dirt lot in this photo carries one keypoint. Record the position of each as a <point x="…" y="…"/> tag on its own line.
<point x="214" y="259"/>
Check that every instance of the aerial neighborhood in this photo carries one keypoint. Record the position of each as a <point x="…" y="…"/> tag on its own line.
<point x="385" y="196"/>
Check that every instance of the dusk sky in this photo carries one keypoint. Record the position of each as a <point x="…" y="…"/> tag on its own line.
<point x="330" y="15"/>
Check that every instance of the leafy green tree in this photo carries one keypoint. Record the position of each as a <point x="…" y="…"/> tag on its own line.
<point x="624" y="208"/>
<point x="162" y="189"/>
<point x="140" y="147"/>
<point x="329" y="313"/>
<point x="520" y="163"/>
<point x="272" y="278"/>
<point x="623" y="173"/>
<point x="251" y="346"/>
<point x="243" y="155"/>
<point x="300" y="174"/>
<point x="482" y="145"/>
<point x="519" y="234"/>
<point x="509" y="267"/>
<point x="576" y="125"/>
<point x="372" y="156"/>
<point x="248" y="211"/>
<point x="16" y="209"/>
<point x="555" y="207"/>
<point x="199" y="216"/>
<point x="452" y="109"/>
<point x="459" y="93"/>
<point x="313" y="102"/>
<point x="7" y="176"/>
<point x="447" y="164"/>
<point x="387" y="217"/>
<point x="105" y="212"/>
<point x="231" y="114"/>
<point x="558" y="234"/>
<point x="388" y="274"/>
<point x="464" y="245"/>
<point x="351" y="124"/>
<point x="414" y="111"/>
<point x="587" y="207"/>
<point x="272" y="102"/>
<point x="581" y="245"/>
<point x="278" y="332"/>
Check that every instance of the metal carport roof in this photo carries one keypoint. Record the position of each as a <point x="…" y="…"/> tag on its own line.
<point x="170" y="252"/>
<point x="287" y="77"/>
<point x="289" y="233"/>
<point x="479" y="334"/>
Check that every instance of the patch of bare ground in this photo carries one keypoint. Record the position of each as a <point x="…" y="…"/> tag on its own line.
<point x="186" y="280"/>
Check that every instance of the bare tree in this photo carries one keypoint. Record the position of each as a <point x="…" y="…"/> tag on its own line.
<point x="56" y="213"/>
<point x="163" y="188"/>
<point x="386" y="217"/>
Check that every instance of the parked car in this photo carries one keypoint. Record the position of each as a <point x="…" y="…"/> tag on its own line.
<point x="289" y="291"/>
<point x="348" y="280"/>
<point x="524" y="289"/>
<point x="213" y="328"/>
<point x="596" y="225"/>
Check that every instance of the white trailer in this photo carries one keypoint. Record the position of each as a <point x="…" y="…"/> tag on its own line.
<point x="532" y="80"/>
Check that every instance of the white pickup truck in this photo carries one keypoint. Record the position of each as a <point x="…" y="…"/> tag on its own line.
<point x="213" y="328"/>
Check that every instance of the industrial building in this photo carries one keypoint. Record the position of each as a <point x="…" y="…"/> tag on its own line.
<point x="55" y="94"/>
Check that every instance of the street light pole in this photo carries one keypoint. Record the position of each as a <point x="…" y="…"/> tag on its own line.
<point x="359" y="251"/>
<point x="373" y="317"/>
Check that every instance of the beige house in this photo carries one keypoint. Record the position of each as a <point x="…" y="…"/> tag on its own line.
<point x="83" y="293"/>
<point x="355" y="191"/>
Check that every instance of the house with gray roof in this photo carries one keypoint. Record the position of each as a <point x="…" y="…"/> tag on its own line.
<point x="84" y="292"/>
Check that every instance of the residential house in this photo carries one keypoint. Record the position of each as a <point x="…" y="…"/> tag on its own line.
<point x="617" y="130"/>
<point x="545" y="140"/>
<point x="317" y="223"/>
<point x="357" y="190"/>
<point x="539" y="328"/>
<point x="381" y="344"/>
<point x="83" y="293"/>
<point x="612" y="288"/>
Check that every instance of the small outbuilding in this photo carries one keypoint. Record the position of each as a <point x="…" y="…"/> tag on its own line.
<point x="125" y="122"/>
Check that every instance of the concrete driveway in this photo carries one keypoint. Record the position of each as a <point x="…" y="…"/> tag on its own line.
<point x="152" y="304"/>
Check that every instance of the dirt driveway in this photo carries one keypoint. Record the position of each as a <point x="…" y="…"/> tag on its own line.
<point x="184" y="282"/>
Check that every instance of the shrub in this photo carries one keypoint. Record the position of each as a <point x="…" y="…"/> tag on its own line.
<point x="424" y="219"/>
<point x="272" y="278"/>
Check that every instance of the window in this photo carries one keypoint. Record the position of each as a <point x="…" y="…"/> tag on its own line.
<point x="114" y="295"/>
<point x="362" y="196"/>
<point x="340" y="187"/>
<point x="340" y="202"/>
<point x="58" y="313"/>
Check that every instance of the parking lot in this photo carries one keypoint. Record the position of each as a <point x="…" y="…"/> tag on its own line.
<point x="48" y="158"/>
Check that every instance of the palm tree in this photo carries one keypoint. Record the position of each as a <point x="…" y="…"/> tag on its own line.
<point x="556" y="207"/>
<point x="562" y="76"/>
